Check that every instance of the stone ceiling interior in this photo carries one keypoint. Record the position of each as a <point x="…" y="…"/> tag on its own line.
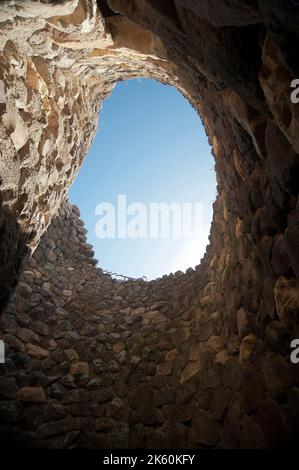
<point x="213" y="360"/>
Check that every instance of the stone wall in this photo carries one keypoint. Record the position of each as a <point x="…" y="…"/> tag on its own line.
<point x="235" y="64"/>
<point x="95" y="362"/>
<point x="58" y="63"/>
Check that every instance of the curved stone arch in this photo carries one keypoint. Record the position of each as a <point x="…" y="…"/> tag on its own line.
<point x="60" y="63"/>
<point x="65" y="80"/>
<point x="58" y="66"/>
<point x="234" y="68"/>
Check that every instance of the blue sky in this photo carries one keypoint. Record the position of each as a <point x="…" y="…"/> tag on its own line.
<point x="150" y="146"/>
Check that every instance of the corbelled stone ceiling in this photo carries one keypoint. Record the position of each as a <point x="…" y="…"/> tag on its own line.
<point x="200" y="359"/>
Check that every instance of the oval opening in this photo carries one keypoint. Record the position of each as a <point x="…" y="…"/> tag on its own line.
<point x="147" y="186"/>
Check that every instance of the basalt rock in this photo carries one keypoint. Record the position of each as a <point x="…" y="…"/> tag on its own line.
<point x="195" y="359"/>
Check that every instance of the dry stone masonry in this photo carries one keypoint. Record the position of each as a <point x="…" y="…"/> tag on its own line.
<point x="95" y="362"/>
<point x="200" y="359"/>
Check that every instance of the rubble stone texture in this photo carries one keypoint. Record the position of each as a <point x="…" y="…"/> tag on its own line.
<point x="200" y="359"/>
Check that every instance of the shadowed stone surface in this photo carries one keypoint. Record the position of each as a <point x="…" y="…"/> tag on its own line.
<point x="200" y="359"/>
<point x="95" y="362"/>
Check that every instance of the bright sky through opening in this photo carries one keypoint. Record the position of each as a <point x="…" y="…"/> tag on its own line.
<point x="151" y="147"/>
